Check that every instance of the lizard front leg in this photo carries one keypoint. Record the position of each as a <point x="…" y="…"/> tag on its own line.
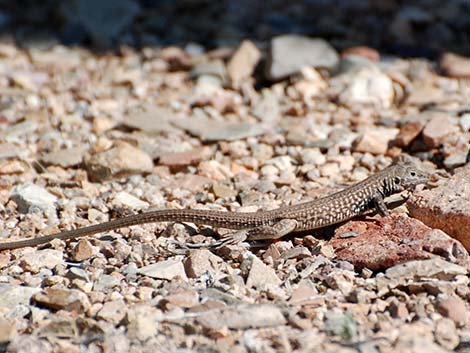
<point x="271" y="232"/>
<point x="380" y="206"/>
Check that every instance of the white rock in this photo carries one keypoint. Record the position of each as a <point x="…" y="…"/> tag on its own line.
<point x="368" y="86"/>
<point x="465" y="122"/>
<point x="29" y="197"/>
<point x="168" y="270"/>
<point x="11" y="295"/>
<point x="38" y="259"/>
<point x="125" y="199"/>
<point x="290" y="53"/>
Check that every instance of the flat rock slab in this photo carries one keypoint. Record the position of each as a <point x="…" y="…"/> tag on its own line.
<point x="446" y="207"/>
<point x="389" y="241"/>
<point x="36" y="260"/>
<point x="65" y="158"/>
<point x="30" y="197"/>
<point x="290" y="53"/>
<point x="243" y="317"/>
<point x="210" y="131"/>
<point x="167" y="269"/>
<point x="62" y="299"/>
<point x="13" y="295"/>
<point x="152" y="120"/>
<point x="121" y="161"/>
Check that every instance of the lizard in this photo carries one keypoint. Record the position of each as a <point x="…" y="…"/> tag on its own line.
<point x="358" y="199"/>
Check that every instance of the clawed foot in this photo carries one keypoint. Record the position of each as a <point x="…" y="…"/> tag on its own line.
<point x="230" y="239"/>
<point x="235" y="238"/>
<point x="269" y="232"/>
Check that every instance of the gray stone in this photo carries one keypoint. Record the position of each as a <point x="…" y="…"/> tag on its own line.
<point x="121" y="161"/>
<point x="341" y="324"/>
<point x="209" y="130"/>
<point x="352" y="63"/>
<point x="434" y="267"/>
<point x="415" y="270"/>
<point x="290" y="53"/>
<point x="243" y="317"/>
<point x="77" y="272"/>
<point x="267" y="108"/>
<point x="20" y="129"/>
<point x="64" y="158"/>
<point x="150" y="120"/>
<point x="105" y="282"/>
<point x="12" y="296"/>
<point x="214" y="68"/>
<point x="457" y="158"/>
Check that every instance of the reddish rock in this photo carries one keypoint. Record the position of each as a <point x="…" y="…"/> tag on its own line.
<point x="183" y="299"/>
<point x="454" y="65"/>
<point x="446" y="207"/>
<point x="83" y="251"/>
<point x="63" y="299"/>
<point x="438" y="130"/>
<point x="375" y="141"/>
<point x="363" y="51"/>
<point x="393" y="240"/>
<point x="454" y="308"/>
<point x="408" y="133"/>
<point x="180" y="160"/>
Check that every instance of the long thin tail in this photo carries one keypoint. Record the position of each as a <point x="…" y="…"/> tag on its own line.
<point x="212" y="218"/>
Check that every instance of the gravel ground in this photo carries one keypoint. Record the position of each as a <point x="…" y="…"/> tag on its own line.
<point x="87" y="137"/>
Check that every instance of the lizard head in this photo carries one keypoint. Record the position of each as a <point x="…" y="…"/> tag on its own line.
<point x="409" y="175"/>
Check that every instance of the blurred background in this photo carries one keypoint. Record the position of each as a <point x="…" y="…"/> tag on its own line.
<point x="421" y="28"/>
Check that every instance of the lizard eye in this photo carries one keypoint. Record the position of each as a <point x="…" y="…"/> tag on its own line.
<point x="413" y="174"/>
<point x="397" y="180"/>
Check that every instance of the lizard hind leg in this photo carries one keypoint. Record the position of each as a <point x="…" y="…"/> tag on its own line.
<point x="271" y="232"/>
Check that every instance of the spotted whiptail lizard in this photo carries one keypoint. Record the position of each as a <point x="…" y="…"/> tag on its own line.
<point x="356" y="200"/>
